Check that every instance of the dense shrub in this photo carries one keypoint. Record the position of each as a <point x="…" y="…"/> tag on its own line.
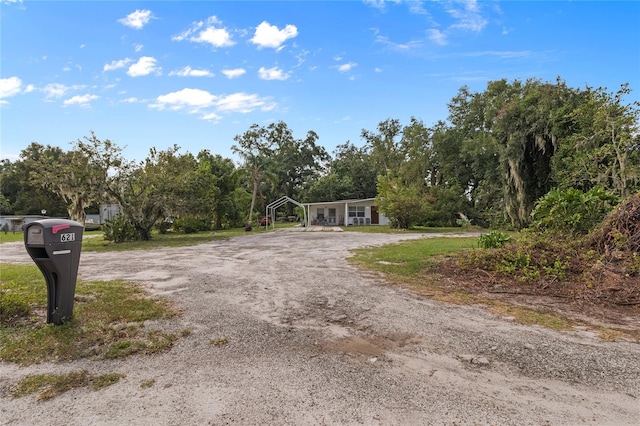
<point x="494" y="239"/>
<point x="572" y="211"/>
<point x="530" y="258"/>
<point x="444" y="206"/>
<point x="402" y="205"/>
<point x="191" y="224"/>
<point x="120" y="230"/>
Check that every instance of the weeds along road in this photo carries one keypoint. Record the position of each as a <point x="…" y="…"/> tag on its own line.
<point x="310" y="339"/>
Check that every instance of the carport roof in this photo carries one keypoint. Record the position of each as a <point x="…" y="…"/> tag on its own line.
<point x="352" y="201"/>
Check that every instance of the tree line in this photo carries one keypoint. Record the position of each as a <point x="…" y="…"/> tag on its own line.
<point x="497" y="153"/>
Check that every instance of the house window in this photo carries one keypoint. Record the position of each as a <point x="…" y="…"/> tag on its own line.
<point x="332" y="212"/>
<point x="356" y="211"/>
<point x="320" y="213"/>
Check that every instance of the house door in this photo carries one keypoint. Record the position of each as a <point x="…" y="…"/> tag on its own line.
<point x="375" y="220"/>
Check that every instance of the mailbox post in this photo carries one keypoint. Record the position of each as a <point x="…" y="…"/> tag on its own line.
<point x="55" y="245"/>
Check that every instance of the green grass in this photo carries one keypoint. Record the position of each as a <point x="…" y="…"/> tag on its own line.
<point x="19" y="236"/>
<point x="11" y="237"/>
<point x="50" y="385"/>
<point x="409" y="258"/>
<point x="379" y="229"/>
<point x="108" y="320"/>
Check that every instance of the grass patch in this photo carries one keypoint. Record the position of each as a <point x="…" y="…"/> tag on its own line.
<point x="18" y="236"/>
<point x="50" y="385"/>
<point x="409" y="258"/>
<point x="530" y="316"/>
<point x="108" y="320"/>
<point x="220" y="341"/>
<point x="145" y="384"/>
<point x="379" y="229"/>
<point x="411" y="263"/>
<point x="11" y="237"/>
<point x="104" y="380"/>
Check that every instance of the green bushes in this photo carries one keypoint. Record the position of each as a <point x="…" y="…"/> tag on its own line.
<point x="494" y="239"/>
<point x="120" y="230"/>
<point x="191" y="224"/>
<point x="572" y="211"/>
<point x="530" y="258"/>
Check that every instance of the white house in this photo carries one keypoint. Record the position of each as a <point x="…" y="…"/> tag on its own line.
<point x="345" y="213"/>
<point x="15" y="223"/>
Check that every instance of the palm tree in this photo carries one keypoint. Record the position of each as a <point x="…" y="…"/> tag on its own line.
<point x="255" y="152"/>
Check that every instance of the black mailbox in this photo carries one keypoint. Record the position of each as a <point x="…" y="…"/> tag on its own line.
<point x="54" y="245"/>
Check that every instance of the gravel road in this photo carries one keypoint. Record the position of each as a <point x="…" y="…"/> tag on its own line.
<point x="313" y="340"/>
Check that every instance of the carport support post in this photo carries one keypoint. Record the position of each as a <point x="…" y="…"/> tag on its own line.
<point x="279" y="202"/>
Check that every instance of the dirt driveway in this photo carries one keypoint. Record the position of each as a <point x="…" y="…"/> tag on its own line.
<point x="312" y="340"/>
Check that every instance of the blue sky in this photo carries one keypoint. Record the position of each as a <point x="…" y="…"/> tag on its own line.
<point x="196" y="74"/>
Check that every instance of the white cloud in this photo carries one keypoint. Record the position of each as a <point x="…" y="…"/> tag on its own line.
<point x="137" y="19"/>
<point x="114" y="65"/>
<point x="346" y="67"/>
<point x="377" y="69"/>
<point x="131" y="100"/>
<point x="9" y="87"/>
<point x="212" y="116"/>
<point x="234" y="73"/>
<point x="138" y="47"/>
<point x="30" y="88"/>
<point x="190" y="72"/>
<point x="209" y="105"/>
<point x="243" y="103"/>
<point x="469" y="16"/>
<point x="401" y="47"/>
<point x="417" y="8"/>
<point x="344" y="119"/>
<point x="80" y="100"/>
<point x="194" y="99"/>
<point x="218" y="37"/>
<point x="10" y="2"/>
<point x="270" y="36"/>
<point x="379" y="4"/>
<point x="301" y="57"/>
<point x="145" y="66"/>
<point x="207" y="32"/>
<point x="437" y="37"/>
<point x="55" y="90"/>
<point x="274" y="73"/>
<point x="503" y="54"/>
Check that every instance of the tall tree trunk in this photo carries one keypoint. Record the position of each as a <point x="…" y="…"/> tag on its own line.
<point x="256" y="182"/>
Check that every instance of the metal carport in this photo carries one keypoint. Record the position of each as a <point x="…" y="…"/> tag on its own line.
<point x="271" y="210"/>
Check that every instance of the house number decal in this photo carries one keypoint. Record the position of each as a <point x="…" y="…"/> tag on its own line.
<point x="67" y="237"/>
